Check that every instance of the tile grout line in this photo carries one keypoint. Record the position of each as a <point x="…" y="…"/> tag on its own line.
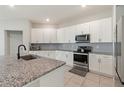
<point x="83" y="81"/>
<point x="68" y="81"/>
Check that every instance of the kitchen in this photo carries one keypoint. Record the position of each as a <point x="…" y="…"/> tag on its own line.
<point x="76" y="48"/>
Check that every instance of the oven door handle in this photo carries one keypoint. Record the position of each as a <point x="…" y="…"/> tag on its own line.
<point x="81" y="53"/>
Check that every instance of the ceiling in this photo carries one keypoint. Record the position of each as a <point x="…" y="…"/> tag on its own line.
<point x="56" y="13"/>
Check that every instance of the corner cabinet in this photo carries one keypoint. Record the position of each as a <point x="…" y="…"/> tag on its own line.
<point x="44" y="35"/>
<point x="65" y="56"/>
<point x="101" y="30"/>
<point x="101" y="63"/>
<point x="37" y="36"/>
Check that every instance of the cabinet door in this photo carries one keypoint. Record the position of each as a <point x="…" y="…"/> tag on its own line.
<point x="52" y="54"/>
<point x="94" y="30"/>
<point x="60" y="55"/>
<point x="85" y="28"/>
<point x="94" y="62"/>
<point x="61" y="35"/>
<point x="106" y="30"/>
<point x="106" y="65"/>
<point x="69" y="59"/>
<point x="37" y="36"/>
<point x="53" y="37"/>
<point x="46" y="35"/>
<point x="49" y="35"/>
<point x="70" y="34"/>
<point x="79" y="29"/>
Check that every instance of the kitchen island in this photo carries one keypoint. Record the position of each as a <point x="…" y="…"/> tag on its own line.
<point x="32" y="73"/>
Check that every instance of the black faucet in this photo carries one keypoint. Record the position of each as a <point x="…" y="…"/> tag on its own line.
<point x="18" y="54"/>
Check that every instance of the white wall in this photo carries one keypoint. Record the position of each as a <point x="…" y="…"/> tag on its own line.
<point x="88" y="18"/>
<point x="39" y="25"/>
<point x="19" y="25"/>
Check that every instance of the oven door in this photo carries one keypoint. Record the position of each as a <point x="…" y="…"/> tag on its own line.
<point x="81" y="59"/>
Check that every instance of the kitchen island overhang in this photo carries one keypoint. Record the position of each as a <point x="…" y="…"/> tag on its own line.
<point x="35" y="73"/>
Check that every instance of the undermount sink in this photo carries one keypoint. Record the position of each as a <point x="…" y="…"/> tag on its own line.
<point x="28" y="57"/>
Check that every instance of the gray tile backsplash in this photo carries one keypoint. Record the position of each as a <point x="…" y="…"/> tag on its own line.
<point x="104" y="48"/>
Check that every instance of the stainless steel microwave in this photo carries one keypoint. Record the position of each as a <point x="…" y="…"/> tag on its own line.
<point x="82" y="38"/>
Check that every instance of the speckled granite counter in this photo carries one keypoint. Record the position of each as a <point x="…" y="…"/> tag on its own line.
<point x="17" y="73"/>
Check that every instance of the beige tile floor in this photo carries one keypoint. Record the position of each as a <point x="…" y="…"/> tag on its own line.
<point x="90" y="80"/>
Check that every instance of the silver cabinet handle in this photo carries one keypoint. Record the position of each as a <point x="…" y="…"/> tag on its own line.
<point x="66" y="56"/>
<point x="99" y="60"/>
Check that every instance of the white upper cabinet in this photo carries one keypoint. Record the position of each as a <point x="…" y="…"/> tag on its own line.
<point x="101" y="30"/>
<point x="37" y="36"/>
<point x="47" y="35"/>
<point x="94" y="31"/>
<point x="61" y="35"/>
<point x="106" y="30"/>
<point x="70" y="34"/>
<point x="83" y="29"/>
<point x="66" y="34"/>
<point x="50" y="35"/>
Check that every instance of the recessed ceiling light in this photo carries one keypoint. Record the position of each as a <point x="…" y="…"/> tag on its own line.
<point x="47" y="19"/>
<point x="83" y="5"/>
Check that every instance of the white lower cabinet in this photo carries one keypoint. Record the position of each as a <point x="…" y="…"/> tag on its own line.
<point x="69" y="58"/>
<point x="65" y="56"/>
<point x="57" y="55"/>
<point x="60" y="55"/>
<point x="94" y="62"/>
<point x="106" y="65"/>
<point x="101" y="63"/>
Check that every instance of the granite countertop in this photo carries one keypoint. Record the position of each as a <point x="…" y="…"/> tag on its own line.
<point x="104" y="53"/>
<point x="17" y="73"/>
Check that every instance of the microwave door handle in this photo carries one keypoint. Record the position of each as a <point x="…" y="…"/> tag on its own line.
<point x="75" y="38"/>
<point x="86" y="37"/>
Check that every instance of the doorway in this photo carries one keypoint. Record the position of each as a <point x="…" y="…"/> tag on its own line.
<point x="12" y="40"/>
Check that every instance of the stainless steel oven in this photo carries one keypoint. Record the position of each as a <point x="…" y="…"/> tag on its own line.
<point x="81" y="60"/>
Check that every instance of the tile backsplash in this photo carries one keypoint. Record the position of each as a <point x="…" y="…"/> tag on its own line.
<point x="97" y="47"/>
